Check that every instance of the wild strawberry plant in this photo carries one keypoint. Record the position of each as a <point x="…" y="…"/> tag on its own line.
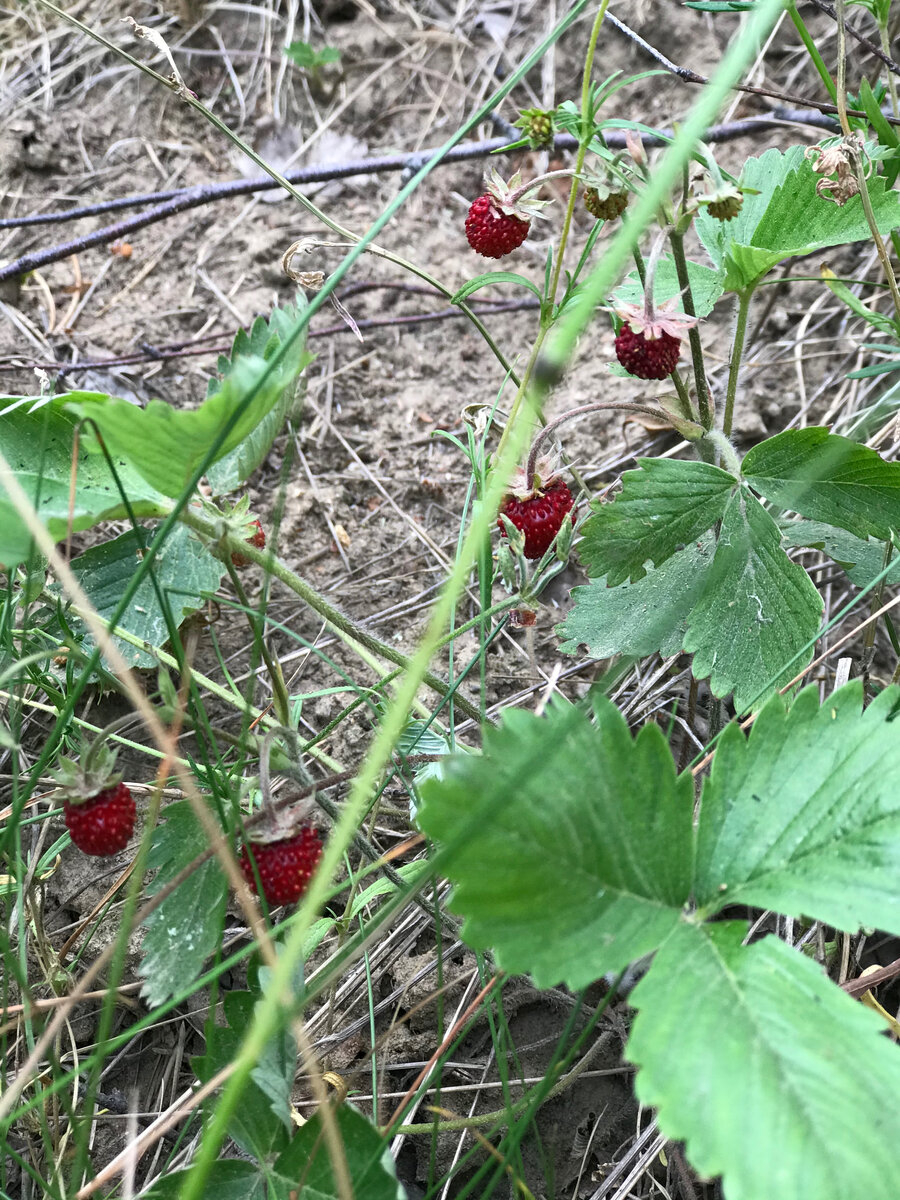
<point x="575" y="849"/>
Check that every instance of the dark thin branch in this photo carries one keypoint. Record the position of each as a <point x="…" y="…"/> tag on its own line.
<point x="892" y="66"/>
<point x="689" y="76"/>
<point x="153" y="354"/>
<point x="207" y="193"/>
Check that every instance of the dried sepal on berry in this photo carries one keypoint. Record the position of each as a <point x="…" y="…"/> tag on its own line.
<point x="285" y="848"/>
<point x="648" y="343"/>
<point x="536" y="508"/>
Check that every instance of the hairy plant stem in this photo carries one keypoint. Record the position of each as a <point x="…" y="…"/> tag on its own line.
<point x="685" y="404"/>
<point x="737" y="353"/>
<point x="596" y="406"/>
<point x="348" y="629"/>
<point x="724" y="450"/>
<point x="676" y="241"/>
<point x="856" y="159"/>
<point x="550" y="299"/>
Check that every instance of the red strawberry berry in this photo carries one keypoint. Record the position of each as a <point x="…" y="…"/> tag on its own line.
<point x="646" y="357"/>
<point x="101" y="824"/>
<point x="539" y="515"/>
<point x="257" y="539"/>
<point x="492" y="232"/>
<point x="285" y="866"/>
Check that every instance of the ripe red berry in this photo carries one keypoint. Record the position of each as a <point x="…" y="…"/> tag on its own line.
<point x="647" y="358"/>
<point x="538" y="516"/>
<point x="285" y="867"/>
<point x="257" y="539"/>
<point x="492" y="232"/>
<point x="101" y="824"/>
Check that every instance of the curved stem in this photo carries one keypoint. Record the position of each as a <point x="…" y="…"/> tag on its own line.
<point x="539" y="180"/>
<point x="704" y="400"/>
<point x="596" y="406"/>
<point x="737" y="351"/>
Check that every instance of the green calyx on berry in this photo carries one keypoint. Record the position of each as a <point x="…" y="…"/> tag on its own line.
<point x="538" y="125"/>
<point x="81" y="779"/>
<point x="98" y="808"/>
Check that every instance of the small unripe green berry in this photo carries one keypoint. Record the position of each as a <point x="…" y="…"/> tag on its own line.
<point x="605" y="208"/>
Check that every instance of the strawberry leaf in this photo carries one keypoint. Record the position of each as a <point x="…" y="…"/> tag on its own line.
<point x="228" y="1179"/>
<point x="772" y="1076"/>
<point x="304" y="1171"/>
<point x="662" y="506"/>
<point x="38" y="439"/>
<point x="862" y="560"/>
<point x="263" y="341"/>
<point x="706" y="286"/>
<point x="827" y="478"/>
<point x="167" y="445"/>
<point x="569" y="844"/>
<point x="187" y="926"/>
<point x="787" y="218"/>
<point x="261" y="1123"/>
<point x="804" y="817"/>
<point x="753" y="627"/>
<point x="639" y="618"/>
<point x="185" y="573"/>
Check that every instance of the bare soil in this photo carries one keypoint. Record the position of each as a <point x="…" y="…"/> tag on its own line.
<point x="374" y="500"/>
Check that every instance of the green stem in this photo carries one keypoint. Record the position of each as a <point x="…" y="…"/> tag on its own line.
<point x="676" y="240"/>
<point x="886" y="50"/>
<point x="349" y="630"/>
<point x="851" y="147"/>
<point x="725" y="451"/>
<point x="737" y="352"/>
<point x="813" y="52"/>
<point x="586" y="125"/>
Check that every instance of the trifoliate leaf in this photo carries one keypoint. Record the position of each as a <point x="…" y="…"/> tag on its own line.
<point x="639" y="618"/>
<point x="750" y="628"/>
<point x="187" y="926"/>
<point x="804" y="817"/>
<point x="38" y="440"/>
<point x="304" y="1171"/>
<point x="771" y="1075"/>
<point x="662" y="506"/>
<point x="827" y="478"/>
<point x="569" y="844"/>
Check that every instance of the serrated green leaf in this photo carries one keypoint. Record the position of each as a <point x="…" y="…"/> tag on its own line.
<point x="639" y="618"/>
<point x="228" y="1179"/>
<point x="37" y="443"/>
<point x="167" y="445"/>
<point x="757" y="612"/>
<point x="804" y="817"/>
<point x="187" y="926"/>
<point x="264" y="340"/>
<point x="568" y="844"/>
<point x="276" y="1066"/>
<point x="787" y="218"/>
<point x="185" y="571"/>
<point x="772" y="1076"/>
<point x="663" y="505"/>
<point x="254" y="1125"/>
<point x="827" y="478"/>
<point x="862" y="560"/>
<point x="304" y="1171"/>
<point x="492" y="277"/>
<point x="707" y="285"/>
